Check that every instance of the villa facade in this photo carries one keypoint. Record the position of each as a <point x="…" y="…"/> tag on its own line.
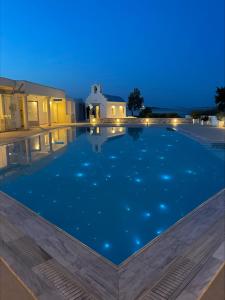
<point x="101" y="106"/>
<point x="25" y="104"/>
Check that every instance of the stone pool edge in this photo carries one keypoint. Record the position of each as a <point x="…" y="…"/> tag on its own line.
<point x="98" y="275"/>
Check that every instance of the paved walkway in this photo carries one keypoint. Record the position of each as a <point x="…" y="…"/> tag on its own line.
<point x="206" y="134"/>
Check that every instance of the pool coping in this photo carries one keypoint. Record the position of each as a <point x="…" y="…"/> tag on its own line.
<point x="112" y="282"/>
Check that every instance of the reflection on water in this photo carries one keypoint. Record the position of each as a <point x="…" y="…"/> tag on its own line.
<point x="15" y="156"/>
<point x="97" y="136"/>
<point x="113" y="188"/>
<point x="135" y="132"/>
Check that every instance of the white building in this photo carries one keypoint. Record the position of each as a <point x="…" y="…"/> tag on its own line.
<point x="101" y="106"/>
<point x="25" y="104"/>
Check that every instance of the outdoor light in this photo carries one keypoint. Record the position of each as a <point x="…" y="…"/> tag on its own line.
<point x="174" y="121"/>
<point x="118" y="121"/>
<point x="221" y="124"/>
<point x="147" y="121"/>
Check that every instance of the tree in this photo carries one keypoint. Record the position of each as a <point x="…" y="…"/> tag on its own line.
<point x="146" y="113"/>
<point x="220" y="99"/>
<point x="135" y="101"/>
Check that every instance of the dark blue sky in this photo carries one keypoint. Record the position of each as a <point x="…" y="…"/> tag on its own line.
<point x="172" y="50"/>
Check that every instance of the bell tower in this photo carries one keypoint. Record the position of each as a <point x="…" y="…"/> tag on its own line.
<point x="96" y="88"/>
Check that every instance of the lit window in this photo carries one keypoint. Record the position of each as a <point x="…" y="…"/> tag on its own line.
<point x="45" y="107"/>
<point x="113" y="110"/>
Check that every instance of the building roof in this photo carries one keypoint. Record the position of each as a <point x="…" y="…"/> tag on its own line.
<point x="32" y="88"/>
<point x="113" y="98"/>
<point x="7" y="82"/>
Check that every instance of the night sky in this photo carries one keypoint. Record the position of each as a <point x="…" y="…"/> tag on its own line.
<point x="172" y="50"/>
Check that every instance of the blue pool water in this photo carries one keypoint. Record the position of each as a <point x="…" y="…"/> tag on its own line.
<point x="113" y="188"/>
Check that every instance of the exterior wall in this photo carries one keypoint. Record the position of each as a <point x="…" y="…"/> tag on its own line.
<point x="116" y="110"/>
<point x="9" y="112"/>
<point x="146" y="121"/>
<point x="79" y="107"/>
<point x="106" y="107"/>
<point x="71" y="110"/>
<point x="98" y="98"/>
<point x="62" y="111"/>
<point x="25" y="104"/>
<point x="42" y="108"/>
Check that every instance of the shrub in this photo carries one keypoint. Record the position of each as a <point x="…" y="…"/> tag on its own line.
<point x="146" y="113"/>
<point x="166" y="115"/>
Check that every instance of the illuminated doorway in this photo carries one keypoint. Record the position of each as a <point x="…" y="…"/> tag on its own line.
<point x="54" y="112"/>
<point x="32" y="107"/>
<point x="97" y="111"/>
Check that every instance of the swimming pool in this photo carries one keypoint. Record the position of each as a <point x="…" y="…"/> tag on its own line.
<point x="113" y="188"/>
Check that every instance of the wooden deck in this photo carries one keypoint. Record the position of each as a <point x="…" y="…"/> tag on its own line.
<point x="54" y="265"/>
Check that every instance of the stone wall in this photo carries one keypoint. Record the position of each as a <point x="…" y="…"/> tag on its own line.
<point x="146" y="121"/>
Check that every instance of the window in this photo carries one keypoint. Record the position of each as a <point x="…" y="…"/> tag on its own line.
<point x="32" y="107"/>
<point x="45" y="106"/>
<point x="121" y="110"/>
<point x="113" y="110"/>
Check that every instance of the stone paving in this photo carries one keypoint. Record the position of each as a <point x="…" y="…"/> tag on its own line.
<point x="29" y="243"/>
<point x="205" y="134"/>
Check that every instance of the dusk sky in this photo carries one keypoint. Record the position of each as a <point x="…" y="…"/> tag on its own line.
<point x="172" y="50"/>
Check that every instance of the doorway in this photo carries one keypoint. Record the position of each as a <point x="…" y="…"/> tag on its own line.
<point x="54" y="112"/>
<point x="33" y="117"/>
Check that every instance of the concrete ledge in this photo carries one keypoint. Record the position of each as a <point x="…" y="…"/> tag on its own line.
<point x="144" y="121"/>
